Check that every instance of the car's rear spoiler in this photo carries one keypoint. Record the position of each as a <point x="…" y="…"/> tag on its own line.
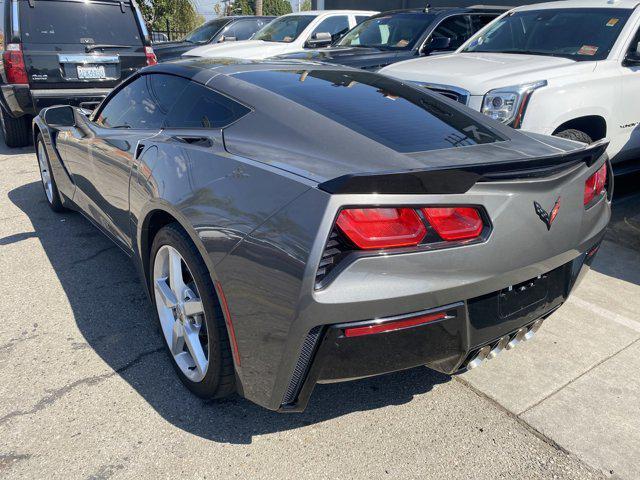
<point x="459" y="179"/>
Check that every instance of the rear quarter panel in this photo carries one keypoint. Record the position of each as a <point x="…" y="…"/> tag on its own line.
<point x="221" y="199"/>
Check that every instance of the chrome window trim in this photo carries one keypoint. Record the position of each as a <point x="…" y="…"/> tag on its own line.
<point x="15" y="20"/>
<point x="85" y="59"/>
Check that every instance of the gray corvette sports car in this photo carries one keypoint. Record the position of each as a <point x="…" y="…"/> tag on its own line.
<point x="299" y="223"/>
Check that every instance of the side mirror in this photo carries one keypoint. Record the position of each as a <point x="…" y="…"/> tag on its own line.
<point x="632" y="58"/>
<point x="64" y="116"/>
<point x="436" y="43"/>
<point x="225" y="38"/>
<point x="318" y="40"/>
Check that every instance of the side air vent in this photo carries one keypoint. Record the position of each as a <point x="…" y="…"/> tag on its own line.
<point x="302" y="367"/>
<point x="334" y="251"/>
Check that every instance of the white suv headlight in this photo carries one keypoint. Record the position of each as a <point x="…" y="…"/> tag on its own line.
<point x="508" y="104"/>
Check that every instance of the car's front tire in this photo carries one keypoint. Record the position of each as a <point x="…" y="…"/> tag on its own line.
<point x="575" y="135"/>
<point x="190" y="316"/>
<point x="46" y="175"/>
<point x="16" y="131"/>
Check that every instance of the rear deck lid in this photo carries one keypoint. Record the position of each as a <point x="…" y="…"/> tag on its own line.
<point x="80" y="44"/>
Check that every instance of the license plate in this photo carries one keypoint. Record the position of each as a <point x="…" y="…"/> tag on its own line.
<point x="523" y="297"/>
<point x="91" y="72"/>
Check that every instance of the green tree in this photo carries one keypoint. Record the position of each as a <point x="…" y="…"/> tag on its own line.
<point x="180" y="14"/>
<point x="243" y="7"/>
<point x="275" y="7"/>
<point x="306" y="6"/>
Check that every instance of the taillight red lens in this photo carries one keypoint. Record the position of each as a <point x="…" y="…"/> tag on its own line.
<point x="151" y="56"/>
<point x="14" y="66"/>
<point x="393" y="325"/>
<point x="595" y="185"/>
<point x="374" y="228"/>
<point x="455" y="223"/>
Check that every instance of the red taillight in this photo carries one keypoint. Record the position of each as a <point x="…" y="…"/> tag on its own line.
<point x="151" y="56"/>
<point x="14" y="66"/>
<point x="455" y="223"/>
<point x="374" y="228"/>
<point x="595" y="185"/>
<point x="393" y="325"/>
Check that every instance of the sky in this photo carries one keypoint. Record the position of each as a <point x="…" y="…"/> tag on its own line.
<point x="205" y="7"/>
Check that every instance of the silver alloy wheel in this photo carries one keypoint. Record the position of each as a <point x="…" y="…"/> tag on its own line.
<point x="44" y="172"/>
<point x="181" y="313"/>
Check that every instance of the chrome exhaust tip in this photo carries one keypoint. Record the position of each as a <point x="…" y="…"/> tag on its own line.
<point x="499" y="347"/>
<point x="518" y="337"/>
<point x="480" y="358"/>
<point x="533" y="330"/>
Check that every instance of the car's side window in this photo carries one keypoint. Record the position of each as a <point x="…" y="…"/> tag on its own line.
<point x="360" y="19"/>
<point x="457" y="28"/>
<point x="143" y="103"/>
<point x="633" y="46"/>
<point x="480" y="21"/>
<point x="201" y="107"/>
<point x="334" y="25"/>
<point x="242" y="29"/>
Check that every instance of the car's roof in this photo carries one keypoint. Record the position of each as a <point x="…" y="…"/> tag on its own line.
<point x="444" y="10"/>
<point x="202" y="69"/>
<point x="629" y="4"/>
<point x="316" y="13"/>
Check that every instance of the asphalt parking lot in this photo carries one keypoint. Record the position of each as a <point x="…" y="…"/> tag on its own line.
<point x="87" y="392"/>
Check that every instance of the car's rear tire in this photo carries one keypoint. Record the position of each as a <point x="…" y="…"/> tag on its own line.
<point x="190" y="338"/>
<point x="16" y="131"/>
<point x="575" y="135"/>
<point x="51" y="192"/>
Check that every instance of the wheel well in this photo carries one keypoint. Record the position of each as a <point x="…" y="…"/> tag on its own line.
<point x="150" y="228"/>
<point x="593" y="125"/>
<point x="36" y="132"/>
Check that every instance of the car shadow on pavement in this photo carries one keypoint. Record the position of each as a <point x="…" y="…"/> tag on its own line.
<point x="116" y="320"/>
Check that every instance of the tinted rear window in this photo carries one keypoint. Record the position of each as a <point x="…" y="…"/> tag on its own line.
<point x="78" y="23"/>
<point x="200" y="107"/>
<point x="402" y="118"/>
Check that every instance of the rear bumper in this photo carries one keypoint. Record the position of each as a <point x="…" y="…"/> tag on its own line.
<point x="447" y="345"/>
<point x="20" y="100"/>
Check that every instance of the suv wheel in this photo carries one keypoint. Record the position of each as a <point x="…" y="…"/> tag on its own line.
<point x="16" y="131"/>
<point x="575" y="135"/>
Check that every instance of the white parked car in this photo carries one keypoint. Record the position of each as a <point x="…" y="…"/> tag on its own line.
<point x="569" y="68"/>
<point x="288" y="34"/>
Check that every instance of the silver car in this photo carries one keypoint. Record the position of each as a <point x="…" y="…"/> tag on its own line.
<point x="295" y="223"/>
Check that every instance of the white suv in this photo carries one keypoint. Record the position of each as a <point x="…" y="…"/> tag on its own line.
<point x="568" y="68"/>
<point x="287" y="34"/>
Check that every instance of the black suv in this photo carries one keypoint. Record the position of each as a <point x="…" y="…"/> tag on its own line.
<point x="221" y="29"/>
<point x="398" y="35"/>
<point x="65" y="52"/>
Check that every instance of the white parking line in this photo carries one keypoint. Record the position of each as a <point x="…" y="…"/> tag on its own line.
<point x="603" y="312"/>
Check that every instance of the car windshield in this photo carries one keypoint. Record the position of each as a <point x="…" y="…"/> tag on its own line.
<point x="284" y="29"/>
<point x="378" y="107"/>
<point x="394" y="31"/>
<point x="576" y="33"/>
<point x="206" y="32"/>
<point x="80" y="23"/>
